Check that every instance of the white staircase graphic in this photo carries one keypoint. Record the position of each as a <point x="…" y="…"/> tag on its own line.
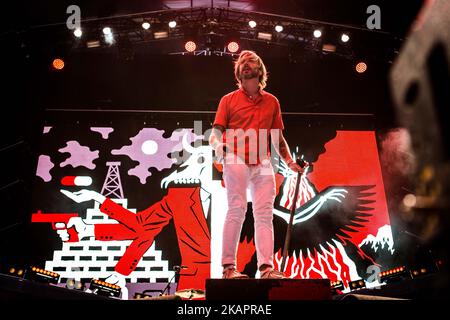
<point x="89" y="259"/>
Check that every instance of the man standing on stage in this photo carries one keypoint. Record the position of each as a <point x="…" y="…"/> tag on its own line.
<point x="245" y="120"/>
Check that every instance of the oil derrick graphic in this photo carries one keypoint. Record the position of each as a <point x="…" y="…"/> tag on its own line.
<point x="92" y="258"/>
<point x="112" y="187"/>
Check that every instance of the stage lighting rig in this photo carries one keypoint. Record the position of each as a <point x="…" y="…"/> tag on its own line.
<point x="104" y="288"/>
<point x="42" y="275"/>
<point x="394" y="274"/>
<point x="357" y="284"/>
<point x="15" y="271"/>
<point x="337" y="287"/>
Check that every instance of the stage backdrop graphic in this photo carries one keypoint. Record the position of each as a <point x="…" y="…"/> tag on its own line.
<point x="166" y="203"/>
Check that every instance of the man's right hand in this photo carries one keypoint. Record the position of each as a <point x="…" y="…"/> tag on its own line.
<point x="220" y="150"/>
<point x="82" y="229"/>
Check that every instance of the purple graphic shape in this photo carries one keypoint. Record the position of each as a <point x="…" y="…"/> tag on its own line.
<point x="79" y="155"/>
<point x="159" y="160"/>
<point x="44" y="166"/>
<point x="104" y="131"/>
<point x="47" y="129"/>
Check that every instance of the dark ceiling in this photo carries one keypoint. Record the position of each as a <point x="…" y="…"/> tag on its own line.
<point x="396" y="15"/>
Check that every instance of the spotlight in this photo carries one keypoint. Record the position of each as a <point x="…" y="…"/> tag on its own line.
<point x="357" y="284"/>
<point x="58" y="64"/>
<point x="424" y="270"/>
<point x="410" y="200"/>
<point x="93" y="44"/>
<point x="394" y="274"/>
<point x="160" y="34"/>
<point x="106" y="31"/>
<point x="345" y="37"/>
<point x="109" y="38"/>
<point x="190" y="46"/>
<point x="252" y="24"/>
<point x="328" y="47"/>
<point x="264" y="36"/>
<point x="104" y="288"/>
<point x="278" y="28"/>
<point x="361" y="67"/>
<point x="74" y="284"/>
<point x="317" y="33"/>
<point x="172" y="24"/>
<point x="146" y="25"/>
<point x="233" y="47"/>
<point x="17" y="272"/>
<point x="78" y="33"/>
<point x="41" y="275"/>
<point x="336" y="287"/>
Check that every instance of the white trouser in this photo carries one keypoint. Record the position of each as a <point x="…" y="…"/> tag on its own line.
<point x="260" y="180"/>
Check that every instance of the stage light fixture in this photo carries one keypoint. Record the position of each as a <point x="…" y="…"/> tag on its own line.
<point x="265" y="36"/>
<point x="172" y="24"/>
<point x="146" y="25"/>
<point x="252" y="24"/>
<point x="337" y="287"/>
<point x="418" y="272"/>
<point x="107" y="31"/>
<point x="361" y="67"/>
<point x="410" y="200"/>
<point x="78" y="33"/>
<point x="345" y="37"/>
<point x="357" y="284"/>
<point x="424" y="270"/>
<point x="278" y="28"/>
<point x="104" y="288"/>
<point x="74" y="284"/>
<point x="160" y="34"/>
<point x="58" y="64"/>
<point x="317" y="33"/>
<point x="190" y="46"/>
<point x="394" y="274"/>
<point x="17" y="272"/>
<point x="328" y="47"/>
<point x="233" y="47"/>
<point x="41" y="275"/>
<point x="93" y="44"/>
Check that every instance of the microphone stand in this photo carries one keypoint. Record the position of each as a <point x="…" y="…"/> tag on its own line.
<point x="287" y="239"/>
<point x="167" y="288"/>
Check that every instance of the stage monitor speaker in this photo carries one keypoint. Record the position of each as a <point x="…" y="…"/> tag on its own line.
<point x="268" y="289"/>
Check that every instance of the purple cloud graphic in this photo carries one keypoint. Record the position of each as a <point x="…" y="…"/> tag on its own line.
<point x="79" y="155"/>
<point x="104" y="131"/>
<point x="44" y="166"/>
<point x="152" y="150"/>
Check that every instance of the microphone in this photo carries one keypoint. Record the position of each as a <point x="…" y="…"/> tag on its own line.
<point x="178" y="268"/>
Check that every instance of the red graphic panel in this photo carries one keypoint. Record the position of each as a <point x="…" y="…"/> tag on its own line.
<point x="352" y="159"/>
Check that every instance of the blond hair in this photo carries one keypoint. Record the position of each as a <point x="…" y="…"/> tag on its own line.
<point x="262" y="68"/>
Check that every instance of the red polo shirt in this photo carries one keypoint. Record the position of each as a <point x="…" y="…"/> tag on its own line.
<point x="256" y="117"/>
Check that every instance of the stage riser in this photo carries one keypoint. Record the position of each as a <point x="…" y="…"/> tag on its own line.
<point x="268" y="289"/>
